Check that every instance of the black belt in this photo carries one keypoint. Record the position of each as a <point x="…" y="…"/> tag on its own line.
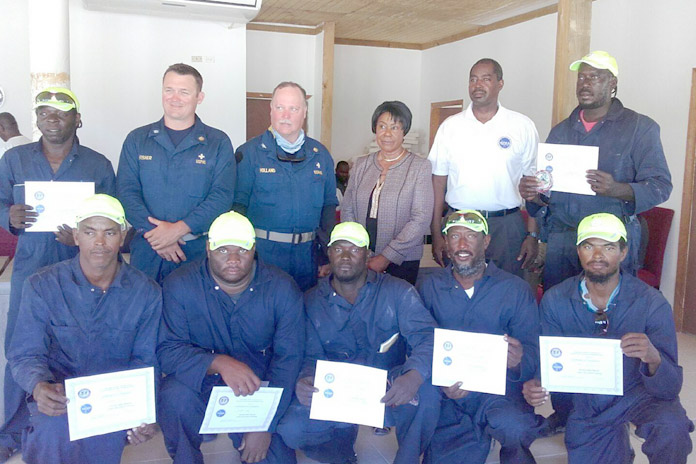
<point x="499" y="213"/>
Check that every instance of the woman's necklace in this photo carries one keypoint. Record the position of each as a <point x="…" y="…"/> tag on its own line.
<point x="390" y="160"/>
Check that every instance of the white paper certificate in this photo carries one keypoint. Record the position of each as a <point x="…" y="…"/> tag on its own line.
<point x="108" y="403"/>
<point x="349" y="393"/>
<point x="477" y="360"/>
<point x="567" y="164"/>
<point x="581" y="365"/>
<point x="227" y="413"/>
<point x="56" y="202"/>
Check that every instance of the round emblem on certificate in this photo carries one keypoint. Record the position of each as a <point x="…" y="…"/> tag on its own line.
<point x="556" y="352"/>
<point x="328" y="393"/>
<point x="447" y="346"/>
<point x="558" y="367"/>
<point x="545" y="179"/>
<point x="329" y="378"/>
<point x="548" y="157"/>
<point x="86" y="408"/>
<point x="447" y="361"/>
<point x="40" y="208"/>
<point x="84" y="393"/>
<point x="220" y="412"/>
<point x="39" y="195"/>
<point x="223" y="400"/>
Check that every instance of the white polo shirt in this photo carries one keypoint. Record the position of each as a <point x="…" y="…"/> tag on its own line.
<point x="484" y="162"/>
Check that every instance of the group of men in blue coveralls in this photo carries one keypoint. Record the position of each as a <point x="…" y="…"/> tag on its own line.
<point x="215" y="297"/>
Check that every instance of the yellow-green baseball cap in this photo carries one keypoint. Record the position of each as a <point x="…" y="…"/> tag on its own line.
<point x="59" y="98"/>
<point x="231" y="228"/>
<point x="598" y="59"/>
<point x="469" y="218"/>
<point x="102" y="205"/>
<point x="601" y="225"/>
<point x="351" y="232"/>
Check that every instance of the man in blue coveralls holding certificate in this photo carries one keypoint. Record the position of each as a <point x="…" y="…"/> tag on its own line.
<point x="58" y="157"/>
<point x="88" y="315"/>
<point x="604" y="301"/>
<point x="476" y="296"/>
<point x="229" y="320"/>
<point x="358" y="316"/>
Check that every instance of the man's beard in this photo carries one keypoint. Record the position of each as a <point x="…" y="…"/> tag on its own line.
<point x="468" y="270"/>
<point x="597" y="278"/>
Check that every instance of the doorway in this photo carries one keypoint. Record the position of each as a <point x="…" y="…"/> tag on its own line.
<point x="439" y="111"/>
<point x="258" y="114"/>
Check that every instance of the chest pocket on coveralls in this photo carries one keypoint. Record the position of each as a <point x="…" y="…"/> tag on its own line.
<point x="193" y="175"/>
<point x="117" y="343"/>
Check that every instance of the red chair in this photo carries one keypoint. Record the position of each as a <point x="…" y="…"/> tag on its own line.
<point x="659" y="221"/>
<point x="8" y="245"/>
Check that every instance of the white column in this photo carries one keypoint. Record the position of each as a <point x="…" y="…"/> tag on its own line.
<point x="49" y="47"/>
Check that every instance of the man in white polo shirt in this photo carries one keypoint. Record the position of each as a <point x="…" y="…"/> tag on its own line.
<point x="478" y="158"/>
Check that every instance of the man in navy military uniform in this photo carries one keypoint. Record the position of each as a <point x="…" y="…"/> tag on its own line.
<point x="606" y="301"/>
<point x="287" y="188"/>
<point x="174" y="177"/>
<point x="232" y="320"/>
<point x="88" y="315"/>
<point x="57" y="157"/>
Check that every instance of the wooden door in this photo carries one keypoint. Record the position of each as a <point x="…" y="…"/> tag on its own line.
<point x="439" y="111"/>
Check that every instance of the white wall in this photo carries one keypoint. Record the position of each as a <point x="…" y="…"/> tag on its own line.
<point x="14" y="62"/>
<point x="274" y="57"/>
<point x="364" y="77"/>
<point x="117" y="62"/>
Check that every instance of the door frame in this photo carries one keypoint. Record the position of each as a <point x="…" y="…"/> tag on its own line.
<point x="435" y="122"/>
<point x="687" y="243"/>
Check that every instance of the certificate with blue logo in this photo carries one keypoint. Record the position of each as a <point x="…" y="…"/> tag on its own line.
<point x="568" y="166"/>
<point x="581" y="365"/>
<point x="477" y="360"/>
<point x="56" y="202"/>
<point x="349" y="393"/>
<point x="227" y="413"/>
<point x="106" y="403"/>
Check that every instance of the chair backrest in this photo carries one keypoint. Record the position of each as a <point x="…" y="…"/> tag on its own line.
<point x="659" y="222"/>
<point x="8" y="243"/>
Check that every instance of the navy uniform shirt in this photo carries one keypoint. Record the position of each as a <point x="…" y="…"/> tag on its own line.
<point x="264" y="328"/>
<point x="344" y="332"/>
<point x="629" y="149"/>
<point x="637" y="308"/>
<point x="71" y="328"/>
<point x="283" y="196"/>
<point x="501" y="304"/>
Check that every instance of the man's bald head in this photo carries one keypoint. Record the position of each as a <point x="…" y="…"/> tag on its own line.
<point x="8" y="127"/>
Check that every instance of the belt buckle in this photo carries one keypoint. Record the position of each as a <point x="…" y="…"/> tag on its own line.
<point x="296" y="238"/>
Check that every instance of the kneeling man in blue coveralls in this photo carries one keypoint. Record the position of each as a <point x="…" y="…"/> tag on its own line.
<point x="350" y="316"/>
<point x="476" y="296"/>
<point x="604" y="301"/>
<point x="232" y="320"/>
<point x="91" y="314"/>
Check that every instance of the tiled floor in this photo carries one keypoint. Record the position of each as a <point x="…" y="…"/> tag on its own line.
<point x="380" y="450"/>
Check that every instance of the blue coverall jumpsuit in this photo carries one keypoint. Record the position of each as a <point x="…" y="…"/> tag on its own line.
<point x="70" y="328"/>
<point x="37" y="249"/>
<point x="501" y="304"/>
<point x="264" y="329"/>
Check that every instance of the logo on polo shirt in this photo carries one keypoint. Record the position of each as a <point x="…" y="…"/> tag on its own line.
<point x="504" y="142"/>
